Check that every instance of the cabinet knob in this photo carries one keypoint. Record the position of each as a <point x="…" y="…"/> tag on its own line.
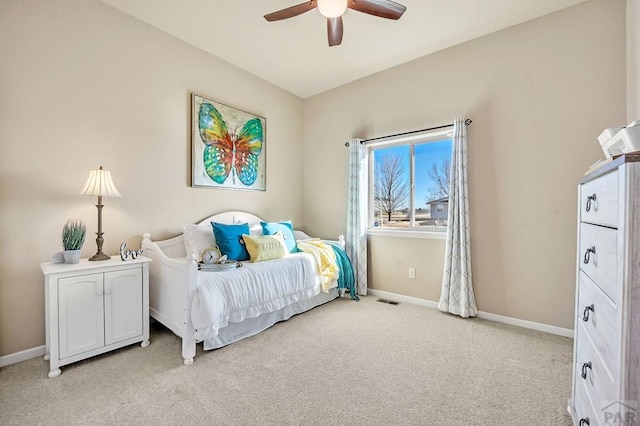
<point x="99" y="292"/>
<point x="590" y="198"/>
<point x="584" y="421"/>
<point x="587" y="254"/>
<point x="586" y="366"/>
<point x="585" y="314"/>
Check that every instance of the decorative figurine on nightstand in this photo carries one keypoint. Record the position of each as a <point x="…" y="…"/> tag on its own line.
<point x="124" y="253"/>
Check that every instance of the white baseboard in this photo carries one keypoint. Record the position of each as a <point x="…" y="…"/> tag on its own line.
<point x="538" y="326"/>
<point x="402" y="298"/>
<point x="22" y="356"/>
<point x="551" y="329"/>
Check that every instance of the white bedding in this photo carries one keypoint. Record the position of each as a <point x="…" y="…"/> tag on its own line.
<point x="251" y="290"/>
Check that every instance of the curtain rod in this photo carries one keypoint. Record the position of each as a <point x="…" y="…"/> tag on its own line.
<point x="467" y="122"/>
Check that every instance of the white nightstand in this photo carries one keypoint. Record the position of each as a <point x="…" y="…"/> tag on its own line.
<point x="94" y="307"/>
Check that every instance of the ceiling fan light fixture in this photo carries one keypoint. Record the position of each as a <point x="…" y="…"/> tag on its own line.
<point x="332" y="8"/>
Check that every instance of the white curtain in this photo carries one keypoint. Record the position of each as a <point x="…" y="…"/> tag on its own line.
<point x="457" y="290"/>
<point x="356" y="240"/>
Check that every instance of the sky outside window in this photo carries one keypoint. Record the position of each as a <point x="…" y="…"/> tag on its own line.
<point x="426" y="154"/>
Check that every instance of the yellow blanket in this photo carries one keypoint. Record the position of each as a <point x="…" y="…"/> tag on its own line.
<point x="325" y="259"/>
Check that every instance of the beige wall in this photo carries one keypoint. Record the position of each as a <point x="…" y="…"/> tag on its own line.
<point x="539" y="94"/>
<point x="83" y="85"/>
<point x="633" y="60"/>
<point x="391" y="273"/>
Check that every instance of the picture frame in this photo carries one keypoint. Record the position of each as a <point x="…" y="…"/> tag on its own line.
<point x="228" y="146"/>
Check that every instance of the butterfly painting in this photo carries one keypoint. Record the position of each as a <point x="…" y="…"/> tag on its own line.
<point x="228" y="146"/>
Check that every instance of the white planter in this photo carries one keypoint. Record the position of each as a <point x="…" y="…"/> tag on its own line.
<point x="71" y="256"/>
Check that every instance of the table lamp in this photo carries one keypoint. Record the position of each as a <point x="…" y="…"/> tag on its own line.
<point x="99" y="183"/>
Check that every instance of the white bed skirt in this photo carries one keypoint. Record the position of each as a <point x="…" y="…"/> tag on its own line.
<point x="248" y="327"/>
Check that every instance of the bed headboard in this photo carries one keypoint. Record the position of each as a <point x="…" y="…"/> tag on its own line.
<point x="255" y="227"/>
<point x="175" y="247"/>
<point x="232" y="217"/>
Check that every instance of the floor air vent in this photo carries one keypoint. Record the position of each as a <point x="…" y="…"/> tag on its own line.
<point x="388" y="302"/>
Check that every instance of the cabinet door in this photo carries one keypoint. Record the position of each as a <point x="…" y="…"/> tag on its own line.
<point x="80" y="314"/>
<point x="123" y="305"/>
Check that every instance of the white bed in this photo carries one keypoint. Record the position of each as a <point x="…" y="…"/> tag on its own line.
<point x="197" y="305"/>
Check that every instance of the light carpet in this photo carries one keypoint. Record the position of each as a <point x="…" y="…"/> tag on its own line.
<point x="343" y="363"/>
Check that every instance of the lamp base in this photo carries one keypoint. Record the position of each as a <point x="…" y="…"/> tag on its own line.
<point x="100" y="256"/>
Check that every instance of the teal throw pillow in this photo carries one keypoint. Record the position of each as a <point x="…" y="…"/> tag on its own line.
<point x="229" y="239"/>
<point x="286" y="227"/>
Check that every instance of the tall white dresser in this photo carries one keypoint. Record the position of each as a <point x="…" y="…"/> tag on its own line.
<point x="606" y="375"/>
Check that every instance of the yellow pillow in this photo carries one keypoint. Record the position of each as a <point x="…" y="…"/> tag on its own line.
<point x="265" y="247"/>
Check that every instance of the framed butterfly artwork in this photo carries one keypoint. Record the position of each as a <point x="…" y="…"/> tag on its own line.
<point x="228" y="146"/>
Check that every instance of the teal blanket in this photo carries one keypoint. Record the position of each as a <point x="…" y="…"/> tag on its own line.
<point x="346" y="278"/>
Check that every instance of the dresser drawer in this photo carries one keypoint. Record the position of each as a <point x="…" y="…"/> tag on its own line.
<point x="599" y="200"/>
<point x="585" y="414"/>
<point x="592" y="372"/>
<point x="600" y="318"/>
<point x="599" y="257"/>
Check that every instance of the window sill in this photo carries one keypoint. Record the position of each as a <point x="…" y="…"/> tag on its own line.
<point x="428" y="235"/>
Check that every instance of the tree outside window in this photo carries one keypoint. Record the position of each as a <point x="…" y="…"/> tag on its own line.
<point x="391" y="185"/>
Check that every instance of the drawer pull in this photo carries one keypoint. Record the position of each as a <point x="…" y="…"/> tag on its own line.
<point x="585" y="314"/>
<point x="584" y="421"/>
<point x="585" y="366"/>
<point x="587" y="254"/>
<point x="590" y="198"/>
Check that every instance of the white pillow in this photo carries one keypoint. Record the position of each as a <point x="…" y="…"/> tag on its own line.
<point x="299" y="235"/>
<point x="255" y="229"/>
<point x="198" y="238"/>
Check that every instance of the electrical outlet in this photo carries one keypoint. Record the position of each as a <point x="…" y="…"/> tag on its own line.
<point x="412" y="272"/>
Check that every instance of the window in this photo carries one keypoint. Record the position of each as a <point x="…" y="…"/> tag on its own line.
<point x="409" y="182"/>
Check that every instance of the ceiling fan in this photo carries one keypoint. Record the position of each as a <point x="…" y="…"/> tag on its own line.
<point x="333" y="10"/>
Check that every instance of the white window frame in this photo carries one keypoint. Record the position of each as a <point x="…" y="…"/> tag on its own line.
<point x="416" y="138"/>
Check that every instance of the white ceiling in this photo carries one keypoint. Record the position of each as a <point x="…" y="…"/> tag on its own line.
<point x="293" y="54"/>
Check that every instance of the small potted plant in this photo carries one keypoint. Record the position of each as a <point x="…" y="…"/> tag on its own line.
<point x="73" y="234"/>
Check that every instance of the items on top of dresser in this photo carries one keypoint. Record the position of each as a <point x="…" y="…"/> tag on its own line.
<point x="620" y="140"/>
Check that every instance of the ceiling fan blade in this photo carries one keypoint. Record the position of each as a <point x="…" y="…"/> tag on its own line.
<point x="334" y="30"/>
<point x="382" y="8"/>
<point x="292" y="11"/>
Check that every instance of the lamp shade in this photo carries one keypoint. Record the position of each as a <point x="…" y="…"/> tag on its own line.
<point x="332" y="8"/>
<point x="100" y="183"/>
